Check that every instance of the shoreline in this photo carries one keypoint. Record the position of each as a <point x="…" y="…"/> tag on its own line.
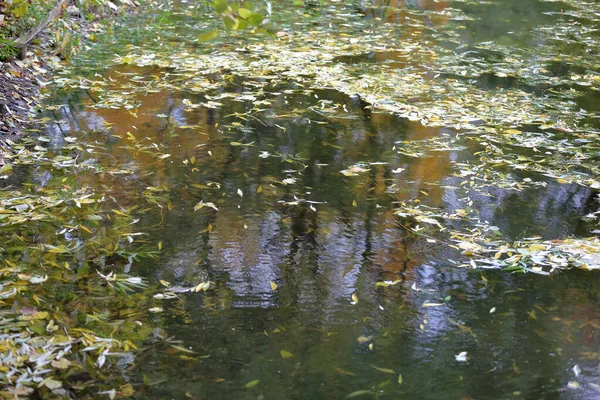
<point x="22" y="80"/>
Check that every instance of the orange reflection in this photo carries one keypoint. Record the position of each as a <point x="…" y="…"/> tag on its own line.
<point x="399" y="255"/>
<point x="426" y="172"/>
<point x="397" y="11"/>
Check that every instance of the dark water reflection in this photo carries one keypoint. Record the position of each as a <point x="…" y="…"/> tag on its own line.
<point x="540" y="328"/>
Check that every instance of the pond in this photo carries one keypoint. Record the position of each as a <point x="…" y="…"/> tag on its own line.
<point x="330" y="222"/>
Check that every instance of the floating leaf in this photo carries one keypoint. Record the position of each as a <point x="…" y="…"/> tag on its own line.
<point x="6" y="168"/>
<point x="40" y="315"/>
<point x="126" y="390"/>
<point x="427" y="304"/>
<point x="345" y="372"/>
<point x="51" y="383"/>
<point x="388" y="283"/>
<point x="358" y="393"/>
<point x="362" y="339"/>
<point x="38" y="279"/>
<point x="384" y="384"/>
<point x="251" y="384"/>
<point x="286" y="354"/>
<point x="384" y="370"/>
<point x="206" y="36"/>
<point x="63" y="363"/>
<point x="354" y="170"/>
<point x="183" y="349"/>
<point x="202" y="204"/>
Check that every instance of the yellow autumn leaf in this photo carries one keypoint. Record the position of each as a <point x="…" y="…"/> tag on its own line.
<point x="286" y="354"/>
<point x="362" y="339"/>
<point x="384" y="370"/>
<point x="251" y="384"/>
<point x="40" y="315"/>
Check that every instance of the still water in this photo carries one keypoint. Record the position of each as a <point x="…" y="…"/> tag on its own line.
<point x="296" y="248"/>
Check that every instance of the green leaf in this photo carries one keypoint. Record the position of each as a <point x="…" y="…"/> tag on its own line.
<point x="240" y="24"/>
<point x="183" y="349"/>
<point x="253" y="383"/>
<point x="245" y="13"/>
<point x="514" y="267"/>
<point x="384" y="370"/>
<point x="19" y="9"/>
<point x="384" y="384"/>
<point x="38" y="327"/>
<point x="228" y="22"/>
<point x="206" y="36"/>
<point x="220" y="6"/>
<point x="286" y="354"/>
<point x="400" y="379"/>
<point x="255" y="19"/>
<point x="358" y="393"/>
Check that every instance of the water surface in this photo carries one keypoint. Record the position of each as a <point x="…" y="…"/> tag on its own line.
<point x="287" y="218"/>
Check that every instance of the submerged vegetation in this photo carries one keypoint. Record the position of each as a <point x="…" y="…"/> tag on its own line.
<point x="209" y="162"/>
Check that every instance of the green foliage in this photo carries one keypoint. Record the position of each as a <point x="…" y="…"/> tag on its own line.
<point x="236" y="16"/>
<point x="8" y="50"/>
<point x="27" y="14"/>
<point x="21" y="15"/>
<point x="19" y="8"/>
<point x="220" y="6"/>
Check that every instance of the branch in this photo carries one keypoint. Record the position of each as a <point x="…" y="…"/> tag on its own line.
<point x="32" y="33"/>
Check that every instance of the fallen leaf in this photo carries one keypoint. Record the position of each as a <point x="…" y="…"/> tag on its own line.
<point x="358" y="393"/>
<point x="384" y="370"/>
<point x="344" y="372"/>
<point x="253" y="383"/>
<point x="286" y="354"/>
